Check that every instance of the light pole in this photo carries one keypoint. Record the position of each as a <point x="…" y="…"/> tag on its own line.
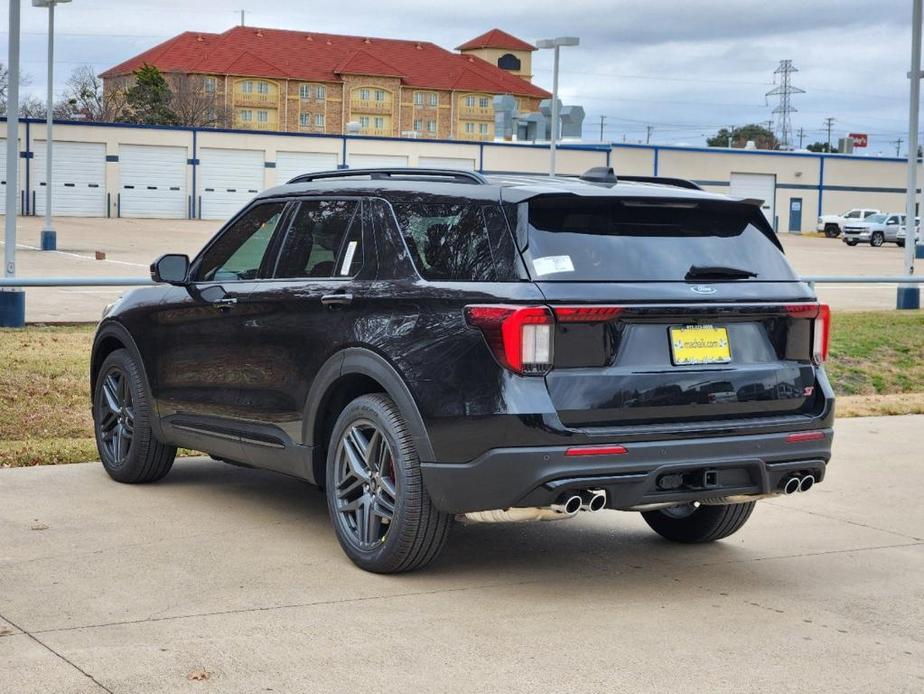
<point x="555" y="43"/>
<point x="909" y="296"/>
<point x="49" y="237"/>
<point x="12" y="301"/>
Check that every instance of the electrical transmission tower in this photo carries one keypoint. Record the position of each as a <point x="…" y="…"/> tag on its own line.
<point x="785" y="90"/>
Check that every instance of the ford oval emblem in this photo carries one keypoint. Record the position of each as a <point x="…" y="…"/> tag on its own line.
<point x="702" y="289"/>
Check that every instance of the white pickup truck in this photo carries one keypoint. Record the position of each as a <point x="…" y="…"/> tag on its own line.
<point x="833" y="224"/>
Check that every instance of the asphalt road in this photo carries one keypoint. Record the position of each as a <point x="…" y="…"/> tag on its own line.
<point x="236" y="573"/>
<point x="131" y="244"/>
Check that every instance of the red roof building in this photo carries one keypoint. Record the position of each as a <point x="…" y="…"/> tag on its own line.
<point x="297" y="81"/>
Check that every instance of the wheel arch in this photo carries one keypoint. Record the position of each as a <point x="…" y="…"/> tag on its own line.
<point x="344" y="377"/>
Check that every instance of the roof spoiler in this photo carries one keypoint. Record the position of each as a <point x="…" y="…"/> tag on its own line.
<point x="606" y="175"/>
<point x="402" y="173"/>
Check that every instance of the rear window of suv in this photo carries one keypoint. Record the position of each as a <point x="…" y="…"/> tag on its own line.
<point x="604" y="239"/>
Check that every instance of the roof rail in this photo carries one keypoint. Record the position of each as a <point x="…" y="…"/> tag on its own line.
<point x="663" y="180"/>
<point x="450" y="175"/>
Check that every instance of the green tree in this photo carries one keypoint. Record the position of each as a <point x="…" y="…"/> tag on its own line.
<point x="150" y="97"/>
<point x="761" y="136"/>
<point x="820" y="147"/>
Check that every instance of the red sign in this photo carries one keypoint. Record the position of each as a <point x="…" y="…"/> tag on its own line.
<point x="859" y="139"/>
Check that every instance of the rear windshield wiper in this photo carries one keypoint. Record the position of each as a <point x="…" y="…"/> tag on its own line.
<point x="718" y="272"/>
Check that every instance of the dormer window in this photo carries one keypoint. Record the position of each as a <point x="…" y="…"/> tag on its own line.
<point x="509" y="61"/>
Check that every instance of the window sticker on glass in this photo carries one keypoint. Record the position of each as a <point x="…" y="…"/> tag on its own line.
<point x="348" y="258"/>
<point x="551" y="264"/>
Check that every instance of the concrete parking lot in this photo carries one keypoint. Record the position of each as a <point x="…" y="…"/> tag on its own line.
<point x="131" y="244"/>
<point x="234" y="576"/>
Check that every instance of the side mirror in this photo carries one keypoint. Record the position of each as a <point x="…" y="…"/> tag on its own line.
<point x="172" y="268"/>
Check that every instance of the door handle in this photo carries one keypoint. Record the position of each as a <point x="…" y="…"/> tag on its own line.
<point x="339" y="299"/>
<point x="225" y="303"/>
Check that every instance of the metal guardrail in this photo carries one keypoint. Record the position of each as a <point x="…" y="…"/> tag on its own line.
<point x="21" y="282"/>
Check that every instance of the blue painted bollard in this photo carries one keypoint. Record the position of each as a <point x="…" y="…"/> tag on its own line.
<point x="49" y="241"/>
<point x="12" y="308"/>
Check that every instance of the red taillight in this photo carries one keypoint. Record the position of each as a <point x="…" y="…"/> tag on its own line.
<point x="803" y="436"/>
<point x="821" y="327"/>
<point x="586" y="314"/>
<point x="519" y="336"/>
<point x="596" y="450"/>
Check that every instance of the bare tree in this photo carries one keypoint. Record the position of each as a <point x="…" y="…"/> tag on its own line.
<point x="5" y="85"/>
<point x="194" y="104"/>
<point x="32" y="107"/>
<point x="85" y="98"/>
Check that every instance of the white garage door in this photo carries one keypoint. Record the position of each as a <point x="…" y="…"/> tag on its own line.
<point x="153" y="182"/>
<point x="758" y="187"/>
<point x="291" y="164"/>
<point x="373" y="161"/>
<point x="447" y="163"/>
<point x="78" y="179"/>
<point x="228" y="180"/>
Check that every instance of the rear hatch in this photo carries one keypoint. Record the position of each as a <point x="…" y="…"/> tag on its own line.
<point x="669" y="311"/>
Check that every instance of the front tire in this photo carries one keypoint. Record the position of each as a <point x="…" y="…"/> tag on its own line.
<point x="851" y="243"/>
<point x="122" y="415"/>
<point x="693" y="524"/>
<point x="877" y="239"/>
<point x="832" y="231"/>
<point x="381" y="511"/>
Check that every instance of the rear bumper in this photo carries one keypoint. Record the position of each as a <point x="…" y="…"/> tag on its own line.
<point x="537" y="476"/>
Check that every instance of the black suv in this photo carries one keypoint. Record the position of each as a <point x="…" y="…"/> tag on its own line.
<point x="427" y="345"/>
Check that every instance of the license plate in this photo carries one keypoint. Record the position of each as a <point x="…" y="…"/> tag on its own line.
<point x="699" y="344"/>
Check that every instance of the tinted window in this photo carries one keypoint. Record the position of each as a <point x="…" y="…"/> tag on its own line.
<point x="576" y="239"/>
<point x="238" y="253"/>
<point x="457" y="242"/>
<point x="324" y="240"/>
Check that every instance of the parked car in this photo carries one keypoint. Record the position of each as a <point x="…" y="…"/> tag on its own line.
<point x="877" y="230"/>
<point x="902" y="232"/>
<point x="833" y="224"/>
<point x="432" y="345"/>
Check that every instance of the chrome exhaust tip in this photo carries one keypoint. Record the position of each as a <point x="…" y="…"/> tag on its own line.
<point x="593" y="500"/>
<point x="568" y="504"/>
<point x="792" y="486"/>
<point x="806" y="483"/>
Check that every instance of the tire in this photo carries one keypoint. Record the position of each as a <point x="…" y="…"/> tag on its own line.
<point x="877" y="239"/>
<point x="900" y="244"/>
<point x="851" y="243"/>
<point x="122" y="415"/>
<point x="700" y="524"/>
<point x="832" y="231"/>
<point x="381" y="512"/>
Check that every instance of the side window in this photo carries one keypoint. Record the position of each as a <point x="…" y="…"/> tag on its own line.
<point x="868" y="213"/>
<point x="452" y="242"/>
<point x="323" y="241"/>
<point x="853" y="214"/>
<point x="239" y="251"/>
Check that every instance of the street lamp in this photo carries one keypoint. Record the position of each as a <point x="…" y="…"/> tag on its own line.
<point x="555" y="43"/>
<point x="49" y="238"/>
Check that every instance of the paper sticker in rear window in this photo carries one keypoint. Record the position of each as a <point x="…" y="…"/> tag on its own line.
<point x="551" y="264"/>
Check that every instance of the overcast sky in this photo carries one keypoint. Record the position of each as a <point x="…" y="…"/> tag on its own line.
<point x="685" y="67"/>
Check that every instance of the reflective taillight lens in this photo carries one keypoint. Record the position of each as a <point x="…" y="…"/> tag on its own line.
<point x="586" y="314"/>
<point x="519" y="336"/>
<point x="820" y="314"/>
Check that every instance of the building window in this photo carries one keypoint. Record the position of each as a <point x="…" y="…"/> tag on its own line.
<point x="262" y="117"/>
<point x="483" y="128"/>
<point x="304" y="119"/>
<point x="470" y="128"/>
<point x="210" y="85"/>
<point x="321" y="92"/>
<point x="509" y="61"/>
<point x="319" y="120"/>
<point x="380" y="95"/>
<point x="263" y="87"/>
<point x="364" y="94"/>
<point x="470" y="101"/>
<point x="364" y="121"/>
<point x="246" y="115"/>
<point x="379" y="122"/>
<point x="434" y="99"/>
<point x="304" y="91"/>
<point x="431" y="126"/>
<point x="247" y="87"/>
<point x="483" y="102"/>
<point x="418" y="124"/>
<point x="418" y="99"/>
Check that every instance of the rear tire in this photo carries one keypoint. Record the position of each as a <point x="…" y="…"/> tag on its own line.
<point x="832" y="231"/>
<point x="122" y="415"/>
<point x="381" y="511"/>
<point x="692" y="525"/>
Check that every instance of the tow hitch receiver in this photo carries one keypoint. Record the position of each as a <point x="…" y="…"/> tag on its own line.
<point x="694" y="479"/>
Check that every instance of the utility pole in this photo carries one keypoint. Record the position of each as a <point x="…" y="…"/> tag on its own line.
<point x="12" y="301"/>
<point x="801" y="136"/>
<point x="243" y="13"/>
<point x="602" y="121"/>
<point x="898" y="146"/>
<point x="909" y="295"/>
<point x="829" y="123"/>
<point x="648" y="130"/>
<point x="785" y="90"/>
